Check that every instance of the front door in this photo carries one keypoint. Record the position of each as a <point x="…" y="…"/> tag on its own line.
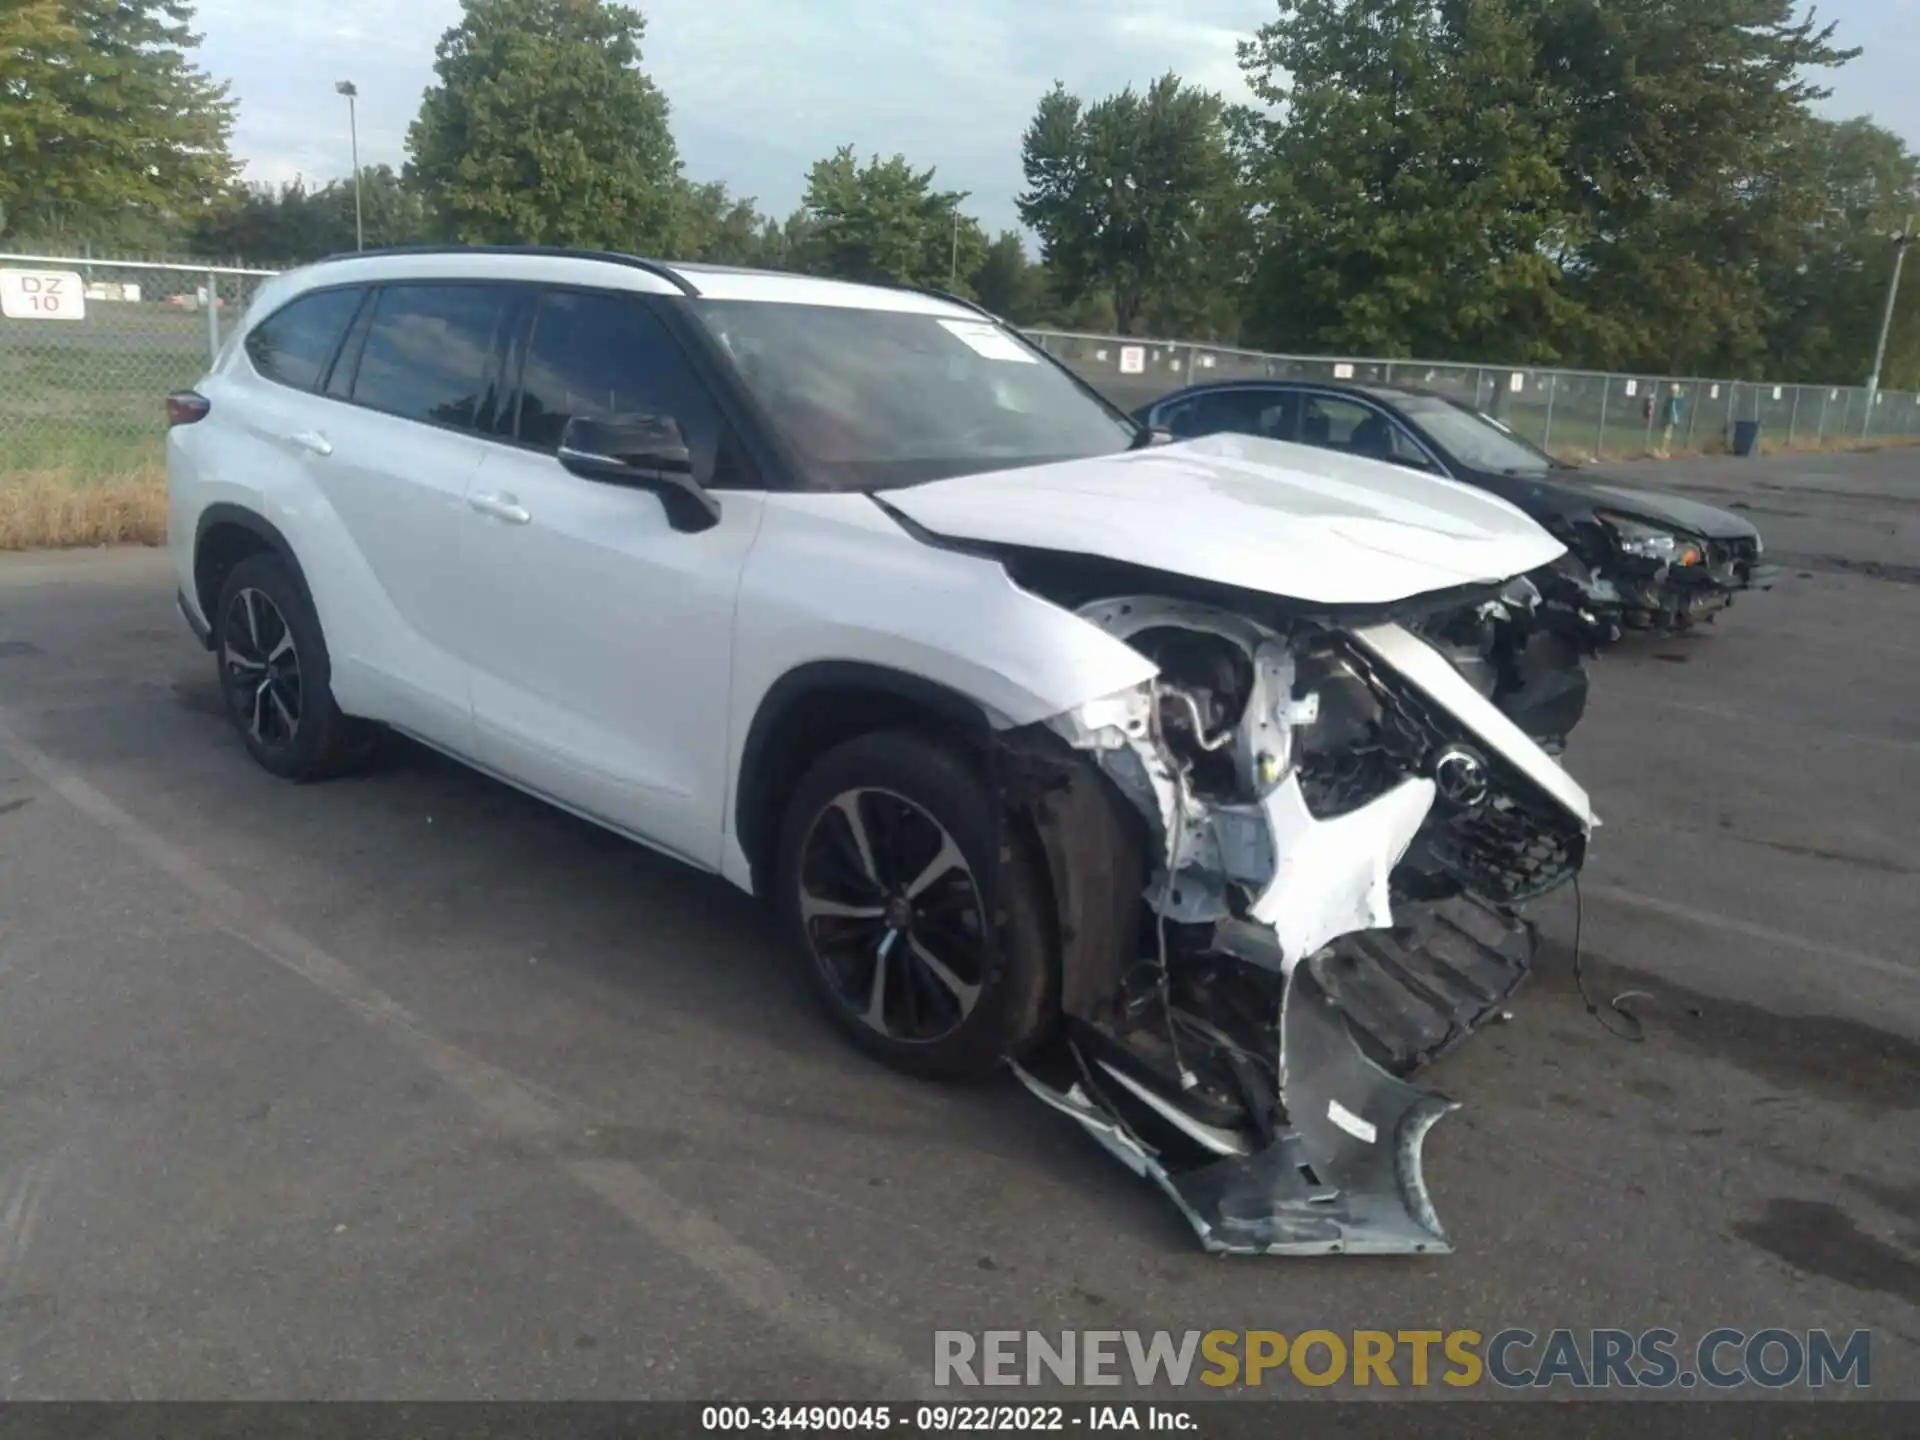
<point x="605" y="635"/>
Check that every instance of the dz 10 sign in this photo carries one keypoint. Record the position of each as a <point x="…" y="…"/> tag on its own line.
<point x="42" y="295"/>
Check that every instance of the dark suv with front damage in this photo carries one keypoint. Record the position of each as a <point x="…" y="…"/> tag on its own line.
<point x="1636" y="559"/>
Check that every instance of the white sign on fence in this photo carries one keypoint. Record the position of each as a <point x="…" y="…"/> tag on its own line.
<point x="1133" y="360"/>
<point x="1633" y="387"/>
<point x="1518" y="383"/>
<point x="1778" y="393"/>
<point x="42" y="295"/>
<point x="1343" y="371"/>
<point x="1716" y="392"/>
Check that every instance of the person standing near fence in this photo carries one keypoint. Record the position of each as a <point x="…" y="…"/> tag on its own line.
<point x="1672" y="413"/>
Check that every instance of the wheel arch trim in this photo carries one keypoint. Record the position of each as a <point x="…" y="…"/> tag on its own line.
<point x="751" y="814"/>
<point x="225" y="513"/>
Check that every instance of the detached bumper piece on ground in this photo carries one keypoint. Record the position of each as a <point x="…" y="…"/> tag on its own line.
<point x="1337" y="830"/>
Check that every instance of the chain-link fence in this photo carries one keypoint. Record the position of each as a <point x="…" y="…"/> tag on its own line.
<point x="88" y="352"/>
<point x="89" y="348"/>
<point x="1571" y="412"/>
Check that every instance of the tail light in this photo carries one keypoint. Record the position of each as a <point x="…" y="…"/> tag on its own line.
<point x="185" y="407"/>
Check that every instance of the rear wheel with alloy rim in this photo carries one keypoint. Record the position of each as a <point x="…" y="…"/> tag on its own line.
<point x="882" y="872"/>
<point x="275" y="675"/>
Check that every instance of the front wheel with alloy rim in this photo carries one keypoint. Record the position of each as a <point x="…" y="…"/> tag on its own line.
<point x="884" y="864"/>
<point x="275" y="676"/>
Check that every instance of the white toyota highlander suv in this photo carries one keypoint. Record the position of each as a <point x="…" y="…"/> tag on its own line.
<point x="1191" y="780"/>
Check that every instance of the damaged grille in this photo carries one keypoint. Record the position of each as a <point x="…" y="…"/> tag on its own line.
<point x="1515" y="845"/>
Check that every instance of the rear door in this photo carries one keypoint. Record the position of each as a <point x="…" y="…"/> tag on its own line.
<point x="418" y="379"/>
<point x="602" y="672"/>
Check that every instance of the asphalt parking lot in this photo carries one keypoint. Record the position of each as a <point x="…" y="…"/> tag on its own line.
<point x="405" y="1086"/>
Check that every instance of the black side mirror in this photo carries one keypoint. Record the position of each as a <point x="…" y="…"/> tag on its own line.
<point x="645" y="452"/>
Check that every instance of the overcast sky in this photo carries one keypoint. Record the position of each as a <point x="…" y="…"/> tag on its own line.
<point x="762" y="88"/>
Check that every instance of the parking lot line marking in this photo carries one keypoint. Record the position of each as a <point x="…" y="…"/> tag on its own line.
<point x="515" y="1106"/>
<point x="1765" y="934"/>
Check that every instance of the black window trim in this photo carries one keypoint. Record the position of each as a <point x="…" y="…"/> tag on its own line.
<point x="772" y="468"/>
<point x="354" y="331"/>
<point x="333" y="353"/>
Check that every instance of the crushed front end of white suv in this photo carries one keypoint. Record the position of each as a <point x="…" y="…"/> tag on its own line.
<point x="1289" y="866"/>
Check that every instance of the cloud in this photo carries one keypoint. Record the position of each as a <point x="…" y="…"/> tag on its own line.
<point x="762" y="88"/>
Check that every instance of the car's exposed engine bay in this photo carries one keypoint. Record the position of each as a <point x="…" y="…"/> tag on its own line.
<point x="1333" y="827"/>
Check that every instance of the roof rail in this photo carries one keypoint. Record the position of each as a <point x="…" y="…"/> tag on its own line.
<point x="652" y="267"/>
<point x="952" y="299"/>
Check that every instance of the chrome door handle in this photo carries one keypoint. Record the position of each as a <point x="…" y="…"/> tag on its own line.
<point x="313" y="442"/>
<point x="501" y="507"/>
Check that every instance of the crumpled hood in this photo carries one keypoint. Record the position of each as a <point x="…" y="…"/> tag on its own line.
<point x="1688" y="516"/>
<point x="1288" y="520"/>
<point x="1565" y="494"/>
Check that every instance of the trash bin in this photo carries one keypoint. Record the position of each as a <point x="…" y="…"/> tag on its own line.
<point x="1746" y="437"/>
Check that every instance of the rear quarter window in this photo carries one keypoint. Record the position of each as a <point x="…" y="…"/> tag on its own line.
<point x="294" y="345"/>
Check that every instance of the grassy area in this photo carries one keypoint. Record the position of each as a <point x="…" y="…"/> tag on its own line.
<point x="62" y="509"/>
<point x="82" y="425"/>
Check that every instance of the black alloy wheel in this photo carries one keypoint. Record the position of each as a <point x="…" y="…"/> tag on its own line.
<point x="260" y="669"/>
<point x="893" y="916"/>
<point x="923" y="919"/>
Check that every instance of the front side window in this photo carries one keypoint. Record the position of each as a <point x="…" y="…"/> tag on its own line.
<point x="874" y="399"/>
<point x="1332" y="423"/>
<point x="429" y="353"/>
<point x="1476" y="441"/>
<point x="609" y="357"/>
<point x="294" y="345"/>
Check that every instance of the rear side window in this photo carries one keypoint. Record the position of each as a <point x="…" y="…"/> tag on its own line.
<point x="429" y="353"/>
<point x="293" y="345"/>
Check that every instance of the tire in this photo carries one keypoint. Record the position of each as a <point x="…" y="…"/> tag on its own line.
<point x="321" y="741"/>
<point x="905" y="788"/>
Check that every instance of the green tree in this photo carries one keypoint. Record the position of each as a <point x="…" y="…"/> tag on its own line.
<point x="1858" y="185"/>
<point x="107" y="127"/>
<point x="884" y="223"/>
<point x="1408" y="171"/>
<point x="720" y="228"/>
<point x="290" y="224"/>
<point x="1011" y="285"/>
<point x="544" y="130"/>
<point x="1679" y="118"/>
<point x="1135" y="196"/>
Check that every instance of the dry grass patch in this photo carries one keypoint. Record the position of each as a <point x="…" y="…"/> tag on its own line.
<point x="59" y="509"/>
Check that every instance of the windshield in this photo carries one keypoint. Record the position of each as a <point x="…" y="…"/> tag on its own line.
<point x="1473" y="439"/>
<point x="874" y="399"/>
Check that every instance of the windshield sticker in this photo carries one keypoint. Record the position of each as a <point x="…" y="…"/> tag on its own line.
<point x="988" y="341"/>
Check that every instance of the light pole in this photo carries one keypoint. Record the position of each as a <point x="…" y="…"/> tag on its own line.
<point x="953" y="268"/>
<point x="1902" y="243"/>
<point x="352" y="92"/>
